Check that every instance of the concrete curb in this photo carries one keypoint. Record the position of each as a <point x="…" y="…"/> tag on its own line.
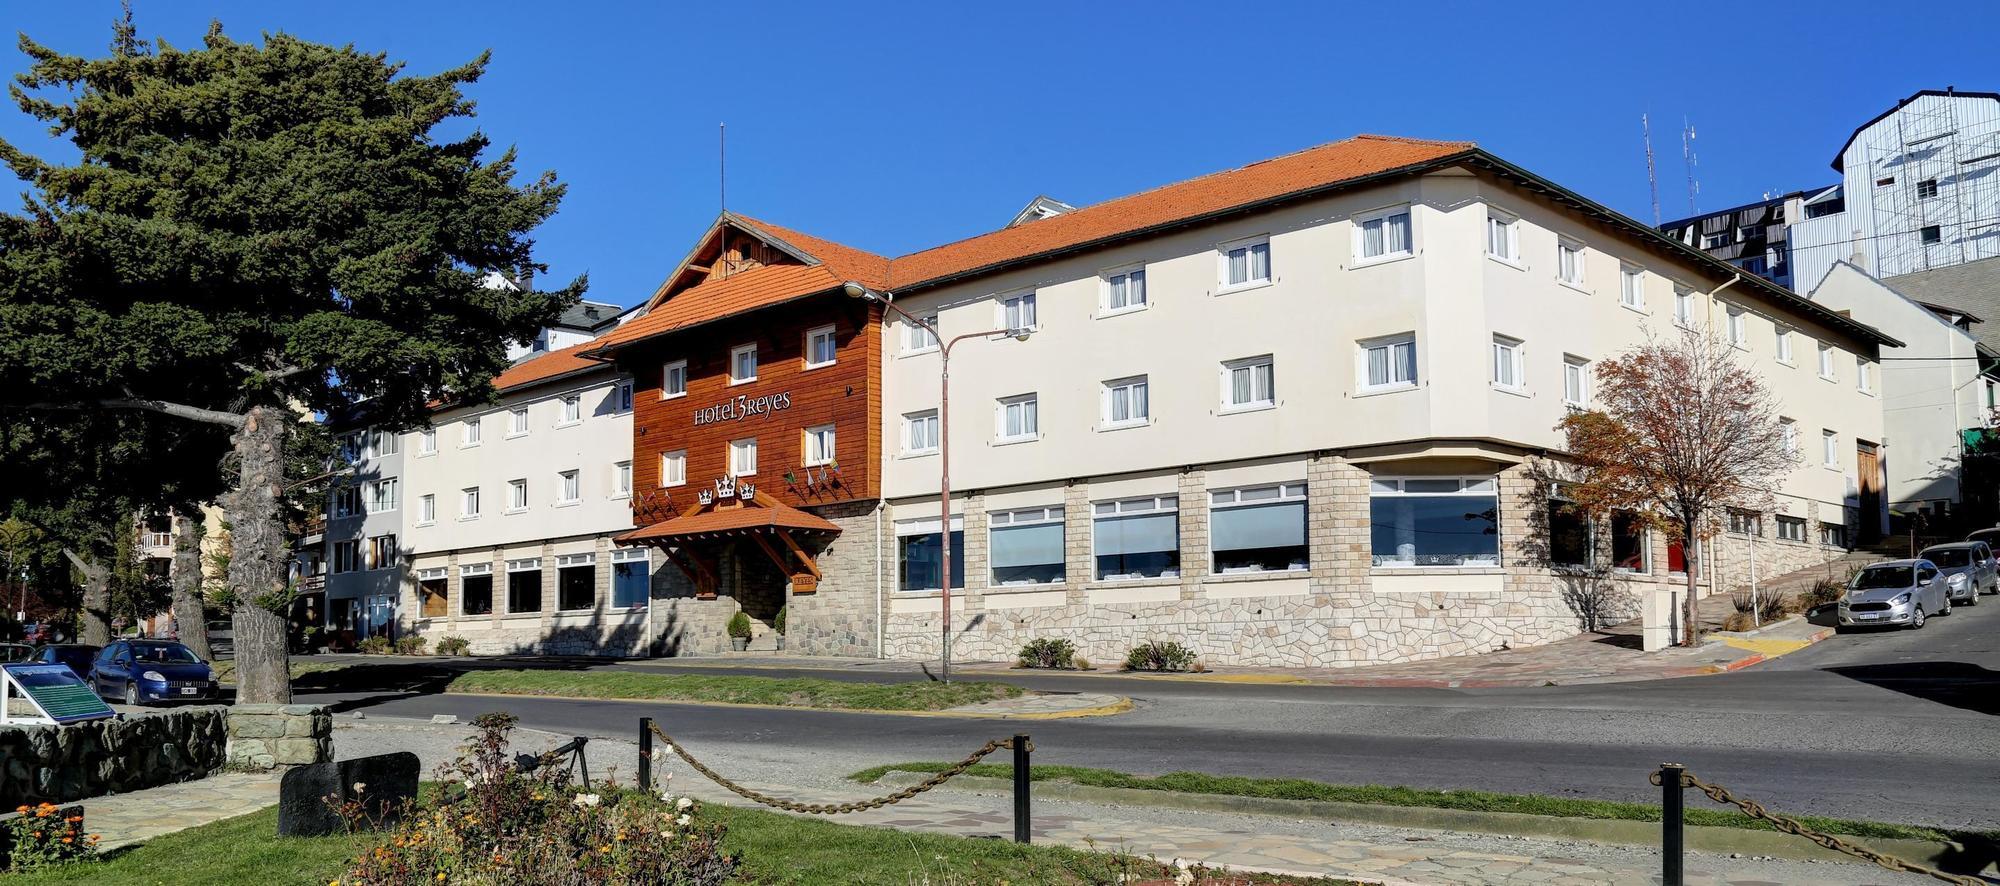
<point x="1713" y="840"/>
<point x="1118" y="707"/>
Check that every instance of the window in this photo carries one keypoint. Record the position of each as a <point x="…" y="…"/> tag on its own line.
<point x="1885" y="181"/>
<point x="1384" y="234"/>
<point x="674" y="380"/>
<point x="1833" y="535"/>
<point x="1930" y="234"/>
<point x="1714" y="241"/>
<point x="1258" y="529"/>
<point x="1569" y="533"/>
<point x="1791" y="528"/>
<point x="569" y="487"/>
<point x="624" y="396"/>
<point x="919" y="338"/>
<point x="1576" y="380"/>
<point x="427" y="441"/>
<point x="743" y="457"/>
<point x="1628" y="543"/>
<point x="1745" y="523"/>
<point x="1631" y="287"/>
<point x="382" y="496"/>
<point x="1017" y="312"/>
<point x="471" y="432"/>
<point x="433" y="592"/>
<point x="1569" y="262"/>
<point x="1125" y="290"/>
<point x="1826" y="370"/>
<point x="1136" y="537"/>
<point x="631" y="578"/>
<point x="1246" y="264"/>
<point x="621" y="479"/>
<point x="819" y="347"/>
<point x="920" y="432"/>
<point x="743" y="364"/>
<point x="1784" y="345"/>
<point x="517" y="494"/>
<point x="1788" y="431"/>
<point x="353" y="447"/>
<point x="388" y="443"/>
<point x="1684" y="306"/>
<point x="1927" y="189"/>
<point x="524" y="585"/>
<point x="468" y="502"/>
<point x="1739" y="327"/>
<point x="1434" y="521"/>
<point x="382" y="553"/>
<point x="1508" y="367"/>
<point x="517" y="421"/>
<point x="1026" y="546"/>
<point x="819" y="445"/>
<point x="1829" y="448"/>
<point x="427" y="509"/>
<point x="674" y="468"/>
<point x="1125" y="402"/>
<point x="1388" y="363"/>
<point x="1503" y="233"/>
<point x="475" y="589"/>
<point x="1864" y="377"/>
<point x="1248" y="384"/>
<point x="572" y="409"/>
<point x="576" y="582"/>
<point x="346" y="501"/>
<point x="346" y="556"/>
<point x="1020" y="418"/>
<point x="920" y="555"/>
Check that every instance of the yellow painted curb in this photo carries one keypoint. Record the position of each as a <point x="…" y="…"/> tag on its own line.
<point x="1118" y="707"/>
<point x="1768" y="648"/>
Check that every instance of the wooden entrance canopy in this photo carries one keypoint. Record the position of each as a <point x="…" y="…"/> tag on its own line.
<point x="732" y="512"/>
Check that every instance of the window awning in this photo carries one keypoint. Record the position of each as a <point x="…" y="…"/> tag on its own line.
<point x="736" y="512"/>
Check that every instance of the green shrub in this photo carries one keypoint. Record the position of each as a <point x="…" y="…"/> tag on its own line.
<point x="1159" y="655"/>
<point x="453" y="646"/>
<point x="739" y="625"/>
<point x="778" y="624"/>
<point x="376" y="646"/>
<point x="411" y="645"/>
<point x="1822" y="592"/>
<point x="1048" y="652"/>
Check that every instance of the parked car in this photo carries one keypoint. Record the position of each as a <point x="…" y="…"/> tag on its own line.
<point x="222" y="638"/>
<point x="139" y="671"/>
<point x="13" y="652"/>
<point x="1969" y="569"/>
<point x="78" y="656"/>
<point x="1990" y="536"/>
<point x="1895" y="592"/>
<point x="41" y="632"/>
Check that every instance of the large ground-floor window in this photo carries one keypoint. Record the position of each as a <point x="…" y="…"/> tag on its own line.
<point x="433" y="593"/>
<point x="1258" y="528"/>
<point x="475" y="589"/>
<point x="631" y="577"/>
<point x="1435" y="521"/>
<point x="1137" y="537"/>
<point x="1026" y="546"/>
<point x="524" y="585"/>
<point x="576" y="582"/>
<point x="1628" y="543"/>
<point x="1569" y="533"/>
<point x="920" y="555"/>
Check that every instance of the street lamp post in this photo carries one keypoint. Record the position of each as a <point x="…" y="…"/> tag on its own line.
<point x="886" y="300"/>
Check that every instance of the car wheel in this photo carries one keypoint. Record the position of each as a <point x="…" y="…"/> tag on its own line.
<point x="132" y="689"/>
<point x="1972" y="600"/>
<point x="1947" y="606"/>
<point x="1917" y="619"/>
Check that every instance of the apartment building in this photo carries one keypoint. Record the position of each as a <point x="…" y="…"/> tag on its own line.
<point x="1754" y="237"/>
<point x="363" y="540"/>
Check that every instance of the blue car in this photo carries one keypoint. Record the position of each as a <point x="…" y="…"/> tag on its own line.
<point x="76" y="656"/>
<point x="141" y="671"/>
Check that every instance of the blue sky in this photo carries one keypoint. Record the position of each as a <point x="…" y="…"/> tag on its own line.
<point x="898" y="126"/>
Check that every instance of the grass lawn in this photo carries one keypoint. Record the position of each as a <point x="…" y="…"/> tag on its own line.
<point x="800" y="692"/>
<point x="225" y="670"/>
<point x="778" y="850"/>
<point x="1480" y="801"/>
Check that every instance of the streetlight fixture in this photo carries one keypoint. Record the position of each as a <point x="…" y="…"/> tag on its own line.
<point x="887" y="301"/>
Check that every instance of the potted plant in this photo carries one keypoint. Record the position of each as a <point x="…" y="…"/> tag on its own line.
<point x="739" y="631"/>
<point x="778" y="624"/>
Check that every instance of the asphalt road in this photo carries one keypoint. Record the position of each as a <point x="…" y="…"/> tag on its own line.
<point x="1896" y="726"/>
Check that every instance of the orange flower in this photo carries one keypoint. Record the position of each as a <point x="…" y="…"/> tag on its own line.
<point x="45" y="811"/>
<point x="69" y="839"/>
<point x="21" y="808"/>
<point x="73" y="819"/>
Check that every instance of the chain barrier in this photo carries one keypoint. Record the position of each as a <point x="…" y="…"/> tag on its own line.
<point x="1792" y="826"/>
<point x="955" y="770"/>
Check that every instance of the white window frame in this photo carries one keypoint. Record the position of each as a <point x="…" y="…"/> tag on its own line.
<point x="1001" y="521"/>
<point x="1632" y="287"/>
<point x="1569" y="262"/>
<point x="1685" y="309"/>
<point x="1576" y="381"/>
<point x="346" y="556"/>
<point x="387" y="443"/>
<point x="1788" y="431"/>
<point x="427" y="442"/>
<point x="569" y="487"/>
<point x="813" y="337"/>
<point x="1827" y="369"/>
<point x="1784" y="521"/>
<point x="1030" y="407"/>
<point x="1384" y="216"/>
<point x="926" y="418"/>
<point x="1248" y="245"/>
<point x="736" y="355"/>
<point x="1829" y="448"/>
<point x="517" y="495"/>
<point x="1508" y="243"/>
<point x="621" y="479"/>
<point x="347" y="501"/>
<point x="1737" y="322"/>
<point x="376" y="501"/>
<point x="1107" y="396"/>
<point x="1863" y="375"/>
<point x="471" y="431"/>
<point x="743" y="457"/>
<point x="624" y="396"/>
<point x="517" y="422"/>
<point x="919" y="339"/>
<point x="468" y="503"/>
<point x="1466" y="486"/>
<point x="572" y="410"/>
<point x="1509" y="368"/>
<point x="1226" y="499"/>
<point x="1004" y="309"/>
<point x="427" y="509"/>
<point x="1251" y="364"/>
<point x="673" y="468"/>
<point x="1119" y="507"/>
<point x="375" y="559"/>
<point x="1362" y="347"/>
<point x="820" y="445"/>
<point x="1109" y="283"/>
<point x="673" y="379"/>
<point x="1783" y="346"/>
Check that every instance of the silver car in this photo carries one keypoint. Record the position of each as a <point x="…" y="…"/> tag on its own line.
<point x="1895" y="592"/>
<point x="1968" y="568"/>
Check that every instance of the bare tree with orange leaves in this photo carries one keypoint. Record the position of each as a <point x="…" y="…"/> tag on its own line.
<point x="1680" y="431"/>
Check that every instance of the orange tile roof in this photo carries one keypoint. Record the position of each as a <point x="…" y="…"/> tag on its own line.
<point x="768" y="515"/>
<point x="546" y="366"/>
<point x="735" y="294"/>
<point x="845" y="261"/>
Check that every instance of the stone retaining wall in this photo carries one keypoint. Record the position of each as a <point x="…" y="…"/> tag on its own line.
<point x="267" y="736"/>
<point x="56" y="764"/>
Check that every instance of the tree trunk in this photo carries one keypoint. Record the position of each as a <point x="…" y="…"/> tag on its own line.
<point x="188" y="614"/>
<point x="1690" y="624"/>
<point x="93" y="620"/>
<point x="257" y="560"/>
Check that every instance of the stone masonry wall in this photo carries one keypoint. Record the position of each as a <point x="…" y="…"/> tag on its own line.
<point x="267" y="736"/>
<point x="56" y="764"/>
<point x="840" y="617"/>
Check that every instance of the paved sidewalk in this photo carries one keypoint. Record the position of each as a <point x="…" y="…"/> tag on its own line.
<point x="121" y="819"/>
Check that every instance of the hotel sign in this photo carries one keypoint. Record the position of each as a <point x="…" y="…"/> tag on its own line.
<point x="742" y="407"/>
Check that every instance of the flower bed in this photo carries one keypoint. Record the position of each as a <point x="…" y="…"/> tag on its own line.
<point x="44" y="835"/>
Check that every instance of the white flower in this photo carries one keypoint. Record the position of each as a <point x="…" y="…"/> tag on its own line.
<point x="468" y="784"/>
<point x="666" y="796"/>
<point x="360" y="786"/>
<point x="586" y="800"/>
<point x="683" y="821"/>
<point x="684" y="804"/>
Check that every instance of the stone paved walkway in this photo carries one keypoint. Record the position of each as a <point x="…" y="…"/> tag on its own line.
<point x="1050" y="706"/>
<point x="142" y="815"/>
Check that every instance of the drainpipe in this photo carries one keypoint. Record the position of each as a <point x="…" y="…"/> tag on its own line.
<point x="881" y="625"/>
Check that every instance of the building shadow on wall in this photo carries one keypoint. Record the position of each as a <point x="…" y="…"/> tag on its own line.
<point x="1596" y="599"/>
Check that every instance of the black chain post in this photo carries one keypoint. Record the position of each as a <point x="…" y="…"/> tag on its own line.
<point x="1673" y="783"/>
<point x="1021" y="781"/>
<point x="646" y="754"/>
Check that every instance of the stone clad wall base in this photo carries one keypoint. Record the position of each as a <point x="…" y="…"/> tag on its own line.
<point x="56" y="764"/>
<point x="270" y="736"/>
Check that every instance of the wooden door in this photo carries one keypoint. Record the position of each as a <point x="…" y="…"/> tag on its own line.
<point x="1868" y="467"/>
